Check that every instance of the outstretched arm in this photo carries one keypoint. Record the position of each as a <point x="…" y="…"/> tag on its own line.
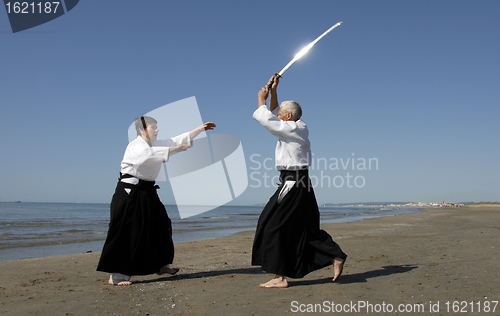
<point x="192" y="134"/>
<point x="206" y="126"/>
<point x="177" y="149"/>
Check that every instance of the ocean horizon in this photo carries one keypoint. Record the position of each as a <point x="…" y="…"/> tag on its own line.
<point x="42" y="229"/>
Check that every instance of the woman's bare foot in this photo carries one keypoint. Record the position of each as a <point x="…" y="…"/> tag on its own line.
<point x="278" y="282"/>
<point x="119" y="282"/>
<point x="338" y="266"/>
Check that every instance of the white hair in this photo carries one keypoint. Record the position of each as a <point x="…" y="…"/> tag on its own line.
<point x="293" y="108"/>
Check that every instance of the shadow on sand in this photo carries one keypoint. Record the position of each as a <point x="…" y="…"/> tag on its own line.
<point x="343" y="279"/>
<point x="204" y="274"/>
<point x="358" y="277"/>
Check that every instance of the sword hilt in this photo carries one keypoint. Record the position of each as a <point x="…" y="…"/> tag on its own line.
<point x="271" y="84"/>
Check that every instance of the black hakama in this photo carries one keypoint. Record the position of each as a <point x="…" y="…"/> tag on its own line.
<point x="288" y="240"/>
<point x="139" y="240"/>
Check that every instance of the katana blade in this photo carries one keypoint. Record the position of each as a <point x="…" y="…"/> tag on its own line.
<point x="304" y="50"/>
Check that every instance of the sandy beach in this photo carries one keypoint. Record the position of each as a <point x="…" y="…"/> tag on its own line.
<point x="436" y="262"/>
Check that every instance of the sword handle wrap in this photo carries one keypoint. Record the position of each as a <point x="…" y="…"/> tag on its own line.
<point x="271" y="84"/>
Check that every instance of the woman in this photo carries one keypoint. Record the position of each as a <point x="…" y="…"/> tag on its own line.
<point x="139" y="240"/>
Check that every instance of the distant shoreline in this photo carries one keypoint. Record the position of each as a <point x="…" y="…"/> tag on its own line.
<point x="484" y="203"/>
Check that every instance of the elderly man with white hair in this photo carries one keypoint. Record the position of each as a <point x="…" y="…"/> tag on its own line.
<point x="288" y="241"/>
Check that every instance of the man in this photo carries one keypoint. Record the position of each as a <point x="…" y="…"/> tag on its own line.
<point x="288" y="241"/>
<point x="139" y="240"/>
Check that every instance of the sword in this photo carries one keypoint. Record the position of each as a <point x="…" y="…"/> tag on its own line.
<point x="303" y="51"/>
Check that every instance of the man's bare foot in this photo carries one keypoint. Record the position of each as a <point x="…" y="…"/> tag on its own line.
<point x="167" y="270"/>
<point x="277" y="282"/>
<point x="338" y="266"/>
<point x="118" y="281"/>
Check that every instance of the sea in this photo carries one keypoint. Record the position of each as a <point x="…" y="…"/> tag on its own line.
<point x="35" y="230"/>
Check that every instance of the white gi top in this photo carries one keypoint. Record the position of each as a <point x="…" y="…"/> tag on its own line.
<point x="293" y="150"/>
<point x="144" y="162"/>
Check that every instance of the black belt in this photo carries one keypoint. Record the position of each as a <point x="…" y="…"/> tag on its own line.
<point x="293" y="175"/>
<point x="142" y="183"/>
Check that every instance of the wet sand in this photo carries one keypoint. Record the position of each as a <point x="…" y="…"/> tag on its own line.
<point x="413" y="261"/>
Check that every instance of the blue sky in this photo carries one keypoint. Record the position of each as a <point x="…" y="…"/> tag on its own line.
<point x="412" y="84"/>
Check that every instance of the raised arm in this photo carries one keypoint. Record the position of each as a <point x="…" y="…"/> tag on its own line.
<point x="262" y="96"/>
<point x="273" y="103"/>
<point x="271" y="85"/>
